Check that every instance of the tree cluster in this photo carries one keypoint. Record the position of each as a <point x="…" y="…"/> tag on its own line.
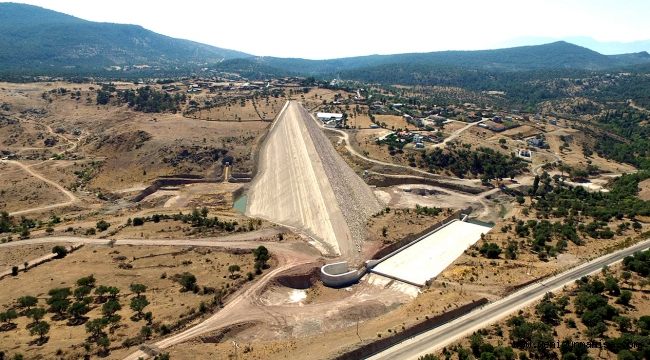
<point x="149" y="100"/>
<point x="483" y="162"/>
<point x="198" y="218"/>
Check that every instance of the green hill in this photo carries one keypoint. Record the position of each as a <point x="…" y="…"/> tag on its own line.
<point x="558" y="55"/>
<point x="33" y="38"/>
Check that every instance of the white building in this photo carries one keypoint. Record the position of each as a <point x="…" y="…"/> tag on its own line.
<point x="326" y="117"/>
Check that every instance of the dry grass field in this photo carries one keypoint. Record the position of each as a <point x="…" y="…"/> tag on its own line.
<point x="19" y="190"/>
<point x="18" y="255"/>
<point x="360" y="121"/>
<point x="399" y="223"/>
<point x="252" y="110"/>
<point x="644" y="189"/>
<point x="120" y="266"/>
<point x="394" y="122"/>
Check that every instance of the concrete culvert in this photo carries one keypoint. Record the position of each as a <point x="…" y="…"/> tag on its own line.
<point x="338" y="274"/>
<point x="227" y="160"/>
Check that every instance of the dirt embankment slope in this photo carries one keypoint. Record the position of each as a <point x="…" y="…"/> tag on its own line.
<point x="303" y="183"/>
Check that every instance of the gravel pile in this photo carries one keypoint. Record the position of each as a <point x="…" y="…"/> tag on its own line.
<point x="355" y="198"/>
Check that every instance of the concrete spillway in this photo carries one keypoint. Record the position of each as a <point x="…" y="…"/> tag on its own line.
<point x="302" y="182"/>
<point x="426" y="258"/>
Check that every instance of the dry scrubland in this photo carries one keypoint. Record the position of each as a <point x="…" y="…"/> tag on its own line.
<point x="252" y="110"/>
<point x="107" y="153"/>
<point x="18" y="255"/>
<point x="375" y="322"/>
<point x="399" y="223"/>
<point x="131" y="147"/>
<point x="19" y="190"/>
<point x="119" y="266"/>
<point x="567" y="324"/>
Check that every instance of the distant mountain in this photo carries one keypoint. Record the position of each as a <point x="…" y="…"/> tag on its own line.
<point x="603" y="47"/>
<point x="558" y="55"/>
<point x="36" y="38"/>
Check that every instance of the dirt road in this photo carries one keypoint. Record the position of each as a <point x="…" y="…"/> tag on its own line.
<point x="346" y="137"/>
<point x="72" y="144"/>
<point x="455" y="134"/>
<point x="71" y="197"/>
<point x="248" y="304"/>
<point x="633" y="105"/>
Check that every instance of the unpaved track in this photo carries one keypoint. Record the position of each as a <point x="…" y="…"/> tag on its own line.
<point x="71" y="197"/>
<point x="246" y="305"/>
<point x="477" y="199"/>
<point x="456" y="134"/>
<point x="72" y="144"/>
<point x="241" y="306"/>
<point x="443" y="178"/>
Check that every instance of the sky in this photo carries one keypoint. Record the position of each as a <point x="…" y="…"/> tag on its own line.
<point x="341" y="28"/>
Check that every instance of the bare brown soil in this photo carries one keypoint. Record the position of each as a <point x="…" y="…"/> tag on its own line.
<point x="644" y="190"/>
<point x="18" y="255"/>
<point x="394" y="122"/>
<point x="19" y="190"/>
<point x="399" y="223"/>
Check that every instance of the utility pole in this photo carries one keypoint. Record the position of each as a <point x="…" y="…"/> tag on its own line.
<point x="359" y="336"/>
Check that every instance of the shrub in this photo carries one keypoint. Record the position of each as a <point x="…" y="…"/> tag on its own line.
<point x="102" y="225"/>
<point x="625" y="297"/>
<point x="187" y="281"/>
<point x="490" y="250"/>
<point x="27" y="302"/>
<point x="60" y="251"/>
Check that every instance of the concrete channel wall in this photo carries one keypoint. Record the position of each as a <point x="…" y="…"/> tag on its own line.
<point x="382" y="344"/>
<point x="386" y="180"/>
<point x="162" y="182"/>
<point x="338" y="274"/>
<point x="372" y="263"/>
<point x="415" y="237"/>
<point x="425" y="258"/>
<point x="240" y="177"/>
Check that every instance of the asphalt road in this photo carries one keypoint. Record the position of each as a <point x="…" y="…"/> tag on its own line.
<point x="439" y="337"/>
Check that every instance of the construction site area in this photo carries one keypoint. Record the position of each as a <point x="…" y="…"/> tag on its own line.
<point x="257" y="229"/>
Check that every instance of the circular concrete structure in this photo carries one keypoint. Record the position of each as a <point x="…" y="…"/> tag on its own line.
<point x="339" y="274"/>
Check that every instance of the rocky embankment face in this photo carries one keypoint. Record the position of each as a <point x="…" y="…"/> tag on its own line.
<point x="354" y="197"/>
<point x="303" y="182"/>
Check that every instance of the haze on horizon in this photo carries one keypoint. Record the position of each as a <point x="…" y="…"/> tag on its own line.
<point x="339" y="28"/>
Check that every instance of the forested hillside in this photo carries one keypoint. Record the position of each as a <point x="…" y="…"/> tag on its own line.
<point x="35" y="39"/>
